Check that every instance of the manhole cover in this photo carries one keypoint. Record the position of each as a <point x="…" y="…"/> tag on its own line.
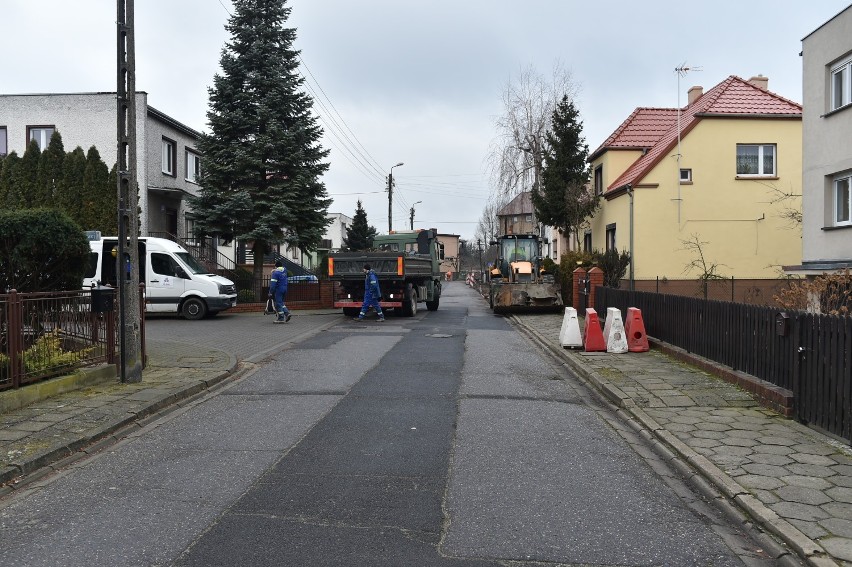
<point x="438" y="336"/>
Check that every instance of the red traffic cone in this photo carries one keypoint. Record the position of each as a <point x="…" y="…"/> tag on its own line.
<point x="593" y="339"/>
<point x="634" y="327"/>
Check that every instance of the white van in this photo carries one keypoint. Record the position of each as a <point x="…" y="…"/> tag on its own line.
<point x="174" y="280"/>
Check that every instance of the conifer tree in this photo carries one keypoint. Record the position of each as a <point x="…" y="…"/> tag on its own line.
<point x="95" y="180"/>
<point x="564" y="201"/>
<point x="25" y="181"/>
<point x="50" y="170"/>
<point x="9" y="163"/>
<point x="262" y="160"/>
<point x="71" y="194"/>
<point x="360" y="235"/>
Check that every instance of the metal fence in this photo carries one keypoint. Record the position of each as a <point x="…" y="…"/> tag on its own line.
<point x="43" y="335"/>
<point x="808" y="354"/>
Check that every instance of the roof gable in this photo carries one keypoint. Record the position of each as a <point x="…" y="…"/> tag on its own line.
<point x="732" y="97"/>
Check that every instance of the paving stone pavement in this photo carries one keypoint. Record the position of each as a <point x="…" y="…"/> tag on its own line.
<point x="793" y="481"/>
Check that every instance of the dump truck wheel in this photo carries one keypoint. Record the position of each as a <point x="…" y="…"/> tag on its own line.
<point x="409" y="302"/>
<point x="432" y="305"/>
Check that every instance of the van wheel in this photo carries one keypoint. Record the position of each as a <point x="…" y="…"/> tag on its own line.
<point x="194" y="309"/>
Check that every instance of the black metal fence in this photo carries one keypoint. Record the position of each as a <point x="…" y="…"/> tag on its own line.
<point x="808" y="354"/>
<point x="43" y="335"/>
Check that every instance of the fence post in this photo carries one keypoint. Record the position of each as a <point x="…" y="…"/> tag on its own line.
<point x="596" y="279"/>
<point x="142" y="322"/>
<point x="579" y="275"/>
<point x="15" y="338"/>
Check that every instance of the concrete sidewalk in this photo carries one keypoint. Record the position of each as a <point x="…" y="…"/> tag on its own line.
<point x="793" y="481"/>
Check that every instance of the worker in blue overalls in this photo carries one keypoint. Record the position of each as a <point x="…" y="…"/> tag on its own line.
<point x="372" y="295"/>
<point x="278" y="289"/>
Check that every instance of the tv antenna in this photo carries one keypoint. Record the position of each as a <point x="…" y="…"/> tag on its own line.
<point x="681" y="71"/>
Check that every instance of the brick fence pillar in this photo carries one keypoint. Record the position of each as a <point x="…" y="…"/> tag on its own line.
<point x="596" y="278"/>
<point x="577" y="288"/>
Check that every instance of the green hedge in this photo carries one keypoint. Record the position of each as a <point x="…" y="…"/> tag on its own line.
<point x="41" y="250"/>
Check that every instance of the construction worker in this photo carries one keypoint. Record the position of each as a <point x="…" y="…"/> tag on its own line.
<point x="372" y="295"/>
<point x="278" y="289"/>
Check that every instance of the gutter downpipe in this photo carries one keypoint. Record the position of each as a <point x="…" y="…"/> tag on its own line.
<point x="632" y="258"/>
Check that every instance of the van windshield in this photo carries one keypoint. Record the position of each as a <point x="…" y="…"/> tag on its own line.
<point x="191" y="263"/>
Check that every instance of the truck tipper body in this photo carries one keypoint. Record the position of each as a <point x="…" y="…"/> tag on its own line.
<point x="407" y="264"/>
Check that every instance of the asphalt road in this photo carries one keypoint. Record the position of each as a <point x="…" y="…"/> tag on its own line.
<point x="446" y="439"/>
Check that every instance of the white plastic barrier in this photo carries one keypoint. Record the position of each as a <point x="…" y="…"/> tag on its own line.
<point x="614" y="334"/>
<point x="569" y="334"/>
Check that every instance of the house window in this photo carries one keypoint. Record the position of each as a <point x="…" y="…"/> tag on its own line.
<point x="610" y="237"/>
<point x="841" y="84"/>
<point x="41" y="134"/>
<point x="587" y="242"/>
<point x="686" y="176"/>
<point x="169" y="156"/>
<point x="193" y="167"/>
<point x="529" y="218"/>
<point x="753" y="159"/>
<point x="843" y="201"/>
<point x="3" y="143"/>
<point x="599" y="180"/>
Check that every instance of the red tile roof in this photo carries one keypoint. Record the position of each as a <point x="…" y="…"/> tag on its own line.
<point x="732" y="97"/>
<point x="642" y="130"/>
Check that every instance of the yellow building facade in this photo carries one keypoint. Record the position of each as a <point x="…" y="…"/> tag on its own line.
<point x="733" y="190"/>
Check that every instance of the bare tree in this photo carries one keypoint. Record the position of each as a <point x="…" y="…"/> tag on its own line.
<point x="516" y="155"/>
<point x="488" y="228"/>
<point x="707" y="270"/>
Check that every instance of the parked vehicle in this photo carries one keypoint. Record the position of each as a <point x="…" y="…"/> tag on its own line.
<point x="174" y="280"/>
<point x="407" y="263"/>
<point x="518" y="283"/>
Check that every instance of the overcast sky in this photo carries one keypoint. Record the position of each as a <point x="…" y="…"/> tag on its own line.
<point x="420" y="82"/>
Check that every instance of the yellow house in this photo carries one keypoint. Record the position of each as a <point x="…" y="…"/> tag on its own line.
<point x="724" y="173"/>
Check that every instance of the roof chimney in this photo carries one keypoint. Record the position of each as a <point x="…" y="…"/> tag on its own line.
<point x="760" y="82"/>
<point x="694" y="94"/>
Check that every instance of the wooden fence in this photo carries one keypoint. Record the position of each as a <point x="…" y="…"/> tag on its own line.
<point x="808" y="354"/>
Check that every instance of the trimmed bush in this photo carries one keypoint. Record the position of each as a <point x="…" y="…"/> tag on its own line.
<point x="41" y="250"/>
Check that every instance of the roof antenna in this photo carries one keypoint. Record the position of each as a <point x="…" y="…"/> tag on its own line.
<point x="681" y="71"/>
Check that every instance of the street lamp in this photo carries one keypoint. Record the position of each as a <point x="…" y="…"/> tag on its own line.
<point x="412" y="213"/>
<point x="390" y="196"/>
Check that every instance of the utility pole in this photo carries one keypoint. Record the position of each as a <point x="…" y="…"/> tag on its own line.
<point x="127" y="260"/>
<point x="390" y="196"/>
<point x="481" y="270"/>
<point x="411" y="218"/>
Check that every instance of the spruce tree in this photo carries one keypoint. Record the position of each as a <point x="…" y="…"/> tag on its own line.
<point x="359" y="236"/>
<point x="564" y="201"/>
<point x="262" y="160"/>
<point x="50" y="170"/>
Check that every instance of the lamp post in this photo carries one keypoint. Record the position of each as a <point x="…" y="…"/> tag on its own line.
<point x="411" y="218"/>
<point x="390" y="196"/>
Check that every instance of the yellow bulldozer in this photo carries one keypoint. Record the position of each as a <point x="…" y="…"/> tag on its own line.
<point x="518" y="282"/>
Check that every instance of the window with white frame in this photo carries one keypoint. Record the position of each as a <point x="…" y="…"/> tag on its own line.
<point x="193" y="166"/>
<point x="598" y="181"/>
<point x="756" y="159"/>
<point x="41" y="135"/>
<point x="169" y="156"/>
<point x="4" y="145"/>
<point x="686" y="176"/>
<point x="843" y="200"/>
<point x="841" y="84"/>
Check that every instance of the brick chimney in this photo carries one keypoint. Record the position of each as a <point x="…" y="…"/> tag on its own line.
<point x="760" y="82"/>
<point x="694" y="94"/>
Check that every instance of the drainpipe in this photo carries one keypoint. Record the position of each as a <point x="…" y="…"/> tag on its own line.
<point x="632" y="257"/>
